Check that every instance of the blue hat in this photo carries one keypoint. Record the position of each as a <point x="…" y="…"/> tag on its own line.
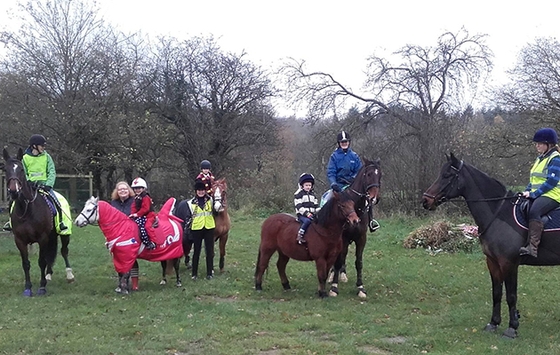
<point x="546" y="135"/>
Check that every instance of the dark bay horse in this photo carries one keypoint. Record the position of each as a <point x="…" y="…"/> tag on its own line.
<point x="32" y="222"/>
<point x="222" y="220"/>
<point x="364" y="191"/>
<point x="490" y="204"/>
<point x="324" y="240"/>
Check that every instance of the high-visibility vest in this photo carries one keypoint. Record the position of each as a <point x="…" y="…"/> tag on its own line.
<point x="202" y="217"/>
<point x="539" y="173"/>
<point x="36" y="167"/>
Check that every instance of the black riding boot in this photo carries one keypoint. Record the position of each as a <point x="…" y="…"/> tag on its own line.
<point x="535" y="232"/>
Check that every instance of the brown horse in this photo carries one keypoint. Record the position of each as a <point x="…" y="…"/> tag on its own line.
<point x="324" y="240"/>
<point x="32" y="222"/>
<point x="222" y="220"/>
<point x="364" y="191"/>
<point x="501" y="236"/>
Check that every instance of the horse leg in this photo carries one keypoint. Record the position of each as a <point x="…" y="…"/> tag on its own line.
<point x="124" y="278"/>
<point x="322" y="270"/>
<point x="176" y="264"/>
<point x="163" y="273"/>
<point x="511" y="297"/>
<point x="43" y="267"/>
<point x="360" y="246"/>
<point x="133" y="275"/>
<point x="497" y="289"/>
<point x="342" y="268"/>
<point x="26" y="265"/>
<point x="65" y="240"/>
<point x="262" y="264"/>
<point x="223" y="241"/>
<point x="281" y="266"/>
<point x="334" y="275"/>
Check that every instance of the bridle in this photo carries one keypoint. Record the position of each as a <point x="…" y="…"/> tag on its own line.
<point x="94" y="212"/>
<point x="445" y="188"/>
<point x="18" y="194"/>
<point x="365" y="187"/>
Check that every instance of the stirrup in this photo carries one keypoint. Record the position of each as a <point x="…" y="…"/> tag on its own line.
<point x="373" y="225"/>
<point x="7" y="227"/>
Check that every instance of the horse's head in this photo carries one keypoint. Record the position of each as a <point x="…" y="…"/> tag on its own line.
<point x="368" y="181"/>
<point x="446" y="186"/>
<point x="90" y="213"/>
<point x="15" y="175"/>
<point x="347" y="208"/>
<point x="220" y="195"/>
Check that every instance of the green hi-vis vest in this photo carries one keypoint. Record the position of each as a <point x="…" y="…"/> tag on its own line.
<point x="36" y="167"/>
<point x="539" y="172"/>
<point x="202" y="218"/>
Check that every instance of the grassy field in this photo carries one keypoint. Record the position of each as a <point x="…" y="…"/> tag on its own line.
<point x="417" y="304"/>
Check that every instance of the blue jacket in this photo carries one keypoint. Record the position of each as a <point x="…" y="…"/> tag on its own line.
<point x="343" y="167"/>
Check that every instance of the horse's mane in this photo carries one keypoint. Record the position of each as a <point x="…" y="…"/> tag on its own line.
<point x="482" y="179"/>
<point x="325" y="213"/>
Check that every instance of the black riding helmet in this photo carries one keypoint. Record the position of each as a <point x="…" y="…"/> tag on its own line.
<point x="199" y="185"/>
<point x="306" y="177"/>
<point x="342" y="136"/>
<point x="37" y="139"/>
<point x="205" y="164"/>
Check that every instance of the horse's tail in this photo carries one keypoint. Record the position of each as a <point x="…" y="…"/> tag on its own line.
<point x="258" y="262"/>
<point x="52" y="247"/>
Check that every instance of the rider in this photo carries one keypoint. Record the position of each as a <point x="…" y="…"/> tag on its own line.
<point x="543" y="187"/>
<point x="142" y="211"/>
<point x="306" y="204"/>
<point x="343" y="166"/>
<point x="206" y="176"/>
<point x="39" y="168"/>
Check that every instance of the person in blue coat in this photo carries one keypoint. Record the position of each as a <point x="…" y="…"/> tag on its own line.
<point x="343" y="166"/>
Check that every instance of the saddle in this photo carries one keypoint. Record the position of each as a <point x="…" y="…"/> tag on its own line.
<point x="551" y="220"/>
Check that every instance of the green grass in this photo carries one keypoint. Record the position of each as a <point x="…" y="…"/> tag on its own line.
<point x="417" y="303"/>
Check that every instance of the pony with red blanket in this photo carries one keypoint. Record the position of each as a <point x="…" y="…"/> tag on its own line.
<point x="123" y="240"/>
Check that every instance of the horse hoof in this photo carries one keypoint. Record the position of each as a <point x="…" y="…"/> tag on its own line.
<point x="258" y="287"/>
<point x="41" y="291"/>
<point x="343" y="277"/>
<point x="28" y="293"/>
<point x="178" y="284"/>
<point x="70" y="280"/>
<point x="118" y="289"/>
<point x="333" y="293"/>
<point x="362" y="292"/>
<point x="48" y="277"/>
<point x="286" y="286"/>
<point x="323" y="294"/>
<point x="510" y="333"/>
<point x="163" y="282"/>
<point x="490" y="327"/>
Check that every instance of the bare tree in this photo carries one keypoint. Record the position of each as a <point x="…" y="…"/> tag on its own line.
<point x="415" y="97"/>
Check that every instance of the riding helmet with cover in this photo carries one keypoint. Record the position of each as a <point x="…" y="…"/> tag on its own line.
<point x="199" y="185"/>
<point x="205" y="164"/>
<point x="37" y="139"/>
<point x="139" y="182"/>
<point x="342" y="136"/>
<point x="306" y="177"/>
<point x="546" y="135"/>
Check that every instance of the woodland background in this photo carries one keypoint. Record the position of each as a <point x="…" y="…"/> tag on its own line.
<point x="122" y="105"/>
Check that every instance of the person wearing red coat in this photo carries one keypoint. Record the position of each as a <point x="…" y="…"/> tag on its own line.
<point x="142" y="212"/>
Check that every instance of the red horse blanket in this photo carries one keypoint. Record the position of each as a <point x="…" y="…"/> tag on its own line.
<point x="123" y="239"/>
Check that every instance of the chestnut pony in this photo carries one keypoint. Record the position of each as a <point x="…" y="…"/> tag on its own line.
<point x="324" y="240"/>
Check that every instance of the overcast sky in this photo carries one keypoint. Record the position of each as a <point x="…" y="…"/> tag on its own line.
<point x="335" y="36"/>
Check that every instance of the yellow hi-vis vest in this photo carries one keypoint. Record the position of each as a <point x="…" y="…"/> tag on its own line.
<point x="539" y="172"/>
<point x="36" y="167"/>
<point x="202" y="217"/>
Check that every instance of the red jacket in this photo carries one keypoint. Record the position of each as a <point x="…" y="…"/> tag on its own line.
<point x="146" y="209"/>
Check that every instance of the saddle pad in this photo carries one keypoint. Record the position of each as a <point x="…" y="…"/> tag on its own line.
<point x="551" y="220"/>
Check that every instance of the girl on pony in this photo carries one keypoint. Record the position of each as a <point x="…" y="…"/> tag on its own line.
<point x="306" y="204"/>
<point x="206" y="175"/>
<point x="142" y="211"/>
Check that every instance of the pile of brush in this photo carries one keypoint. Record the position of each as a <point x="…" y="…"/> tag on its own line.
<point x="443" y="236"/>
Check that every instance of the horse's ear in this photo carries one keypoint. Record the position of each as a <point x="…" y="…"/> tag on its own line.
<point x="20" y="154"/>
<point x="378" y="162"/>
<point x="6" y="154"/>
